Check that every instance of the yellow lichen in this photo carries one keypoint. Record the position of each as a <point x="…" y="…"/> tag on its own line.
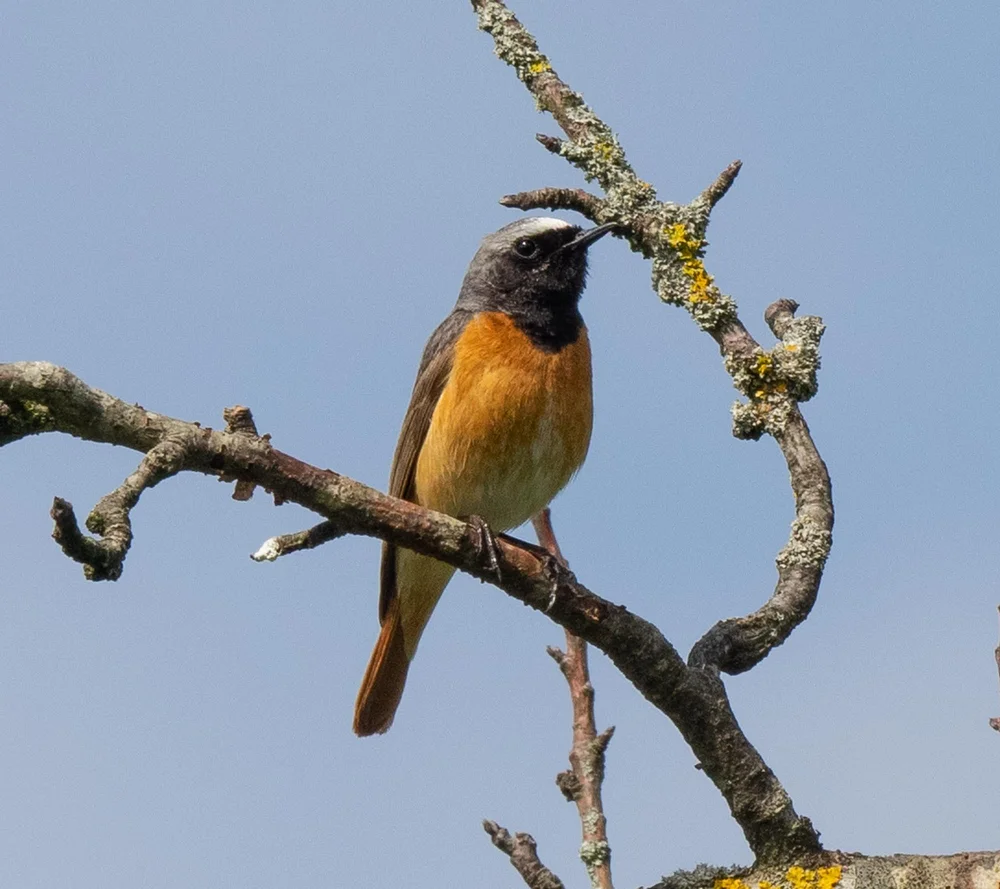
<point x="689" y="250"/>
<point x="791" y="347"/>
<point x="764" y="364"/>
<point x="539" y="67"/>
<point x="823" y="878"/>
<point x="605" y="149"/>
<point x="730" y="883"/>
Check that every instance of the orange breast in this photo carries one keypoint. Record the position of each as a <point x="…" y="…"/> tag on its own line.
<point x="511" y="427"/>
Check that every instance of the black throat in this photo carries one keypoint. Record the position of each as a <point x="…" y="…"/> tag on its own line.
<point x="550" y="327"/>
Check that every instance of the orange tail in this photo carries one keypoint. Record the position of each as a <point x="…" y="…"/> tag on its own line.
<point x="382" y="687"/>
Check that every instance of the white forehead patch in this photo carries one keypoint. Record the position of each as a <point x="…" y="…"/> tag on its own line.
<point x="537" y="225"/>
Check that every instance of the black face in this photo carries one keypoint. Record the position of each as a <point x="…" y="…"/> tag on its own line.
<point x="544" y="261"/>
<point x="533" y="270"/>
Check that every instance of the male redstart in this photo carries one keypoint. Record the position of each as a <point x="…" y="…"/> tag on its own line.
<point x="498" y="422"/>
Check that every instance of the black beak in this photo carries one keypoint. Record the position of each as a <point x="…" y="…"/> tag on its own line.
<point x="583" y="240"/>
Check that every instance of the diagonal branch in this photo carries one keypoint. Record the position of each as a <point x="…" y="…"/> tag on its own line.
<point x="773" y="381"/>
<point x="522" y="851"/>
<point x="39" y="397"/>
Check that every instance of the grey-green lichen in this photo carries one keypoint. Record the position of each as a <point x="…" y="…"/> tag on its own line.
<point x="592" y="146"/>
<point x="593" y="854"/>
<point x="749" y="421"/>
<point x="592" y="820"/>
<point x="24" y="418"/>
<point x="774" y="379"/>
<point x="599" y="155"/>
<point x="807" y="547"/>
<point x="681" y="279"/>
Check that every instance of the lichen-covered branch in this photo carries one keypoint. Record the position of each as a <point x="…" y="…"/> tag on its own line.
<point x="773" y="382"/>
<point x="969" y="870"/>
<point x="781" y="378"/>
<point x="582" y="783"/>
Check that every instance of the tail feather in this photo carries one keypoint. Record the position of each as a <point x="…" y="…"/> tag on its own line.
<point x="382" y="686"/>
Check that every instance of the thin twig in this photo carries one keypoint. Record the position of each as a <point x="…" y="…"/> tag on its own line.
<point x="576" y="199"/>
<point x="275" y="547"/>
<point x="586" y="756"/>
<point x="995" y="721"/>
<point x="522" y="851"/>
<point x="717" y="190"/>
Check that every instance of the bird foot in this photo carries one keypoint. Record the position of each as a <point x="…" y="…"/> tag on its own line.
<point x="555" y="568"/>
<point x="487" y="543"/>
<point x="557" y="573"/>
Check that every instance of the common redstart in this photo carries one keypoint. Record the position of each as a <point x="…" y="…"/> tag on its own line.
<point x="498" y="422"/>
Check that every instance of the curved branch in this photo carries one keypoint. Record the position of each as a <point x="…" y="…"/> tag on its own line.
<point x="738" y="644"/>
<point x="694" y="699"/>
<point x="104" y="559"/>
<point x="773" y="381"/>
<point x="589" y="205"/>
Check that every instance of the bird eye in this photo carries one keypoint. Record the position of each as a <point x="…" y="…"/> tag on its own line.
<point x="526" y="248"/>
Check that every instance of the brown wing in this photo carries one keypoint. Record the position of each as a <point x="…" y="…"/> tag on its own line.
<point x="431" y="379"/>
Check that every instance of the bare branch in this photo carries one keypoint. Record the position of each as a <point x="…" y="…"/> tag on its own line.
<point x="717" y="190"/>
<point x="239" y="419"/>
<point x="523" y="853"/>
<point x="104" y="559"/>
<point x="779" y="315"/>
<point x="275" y="547"/>
<point x="549" y="143"/>
<point x="42" y="397"/>
<point x="582" y="784"/>
<point x="576" y="199"/>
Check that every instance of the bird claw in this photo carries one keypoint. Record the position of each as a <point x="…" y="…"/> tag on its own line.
<point x="487" y="543"/>
<point x="556" y="572"/>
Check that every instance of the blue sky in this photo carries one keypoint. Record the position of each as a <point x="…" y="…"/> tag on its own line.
<point x="209" y="204"/>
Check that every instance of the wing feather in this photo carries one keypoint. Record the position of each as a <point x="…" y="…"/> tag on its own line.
<point x="435" y="368"/>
